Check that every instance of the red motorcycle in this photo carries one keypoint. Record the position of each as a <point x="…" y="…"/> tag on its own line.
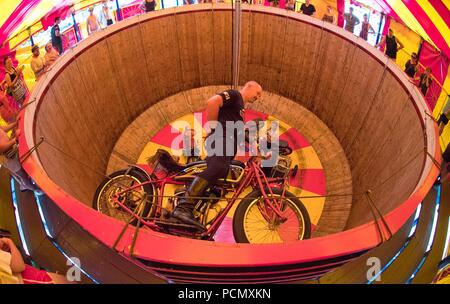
<point x="268" y="214"/>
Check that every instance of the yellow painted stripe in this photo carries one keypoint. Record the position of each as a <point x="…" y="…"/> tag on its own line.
<point x="437" y="19"/>
<point x="36" y="14"/>
<point x="410" y="20"/>
<point x="313" y="204"/>
<point x="307" y="158"/>
<point x="7" y="8"/>
<point x="446" y="3"/>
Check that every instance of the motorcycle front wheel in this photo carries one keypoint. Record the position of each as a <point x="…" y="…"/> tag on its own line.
<point x="250" y="226"/>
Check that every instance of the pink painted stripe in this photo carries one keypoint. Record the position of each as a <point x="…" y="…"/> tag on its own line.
<point x="166" y="137"/>
<point x="312" y="180"/>
<point x="428" y="26"/>
<point x="17" y="17"/>
<point x="387" y="9"/>
<point x="250" y="114"/>
<point x="295" y="139"/>
<point x="442" y="10"/>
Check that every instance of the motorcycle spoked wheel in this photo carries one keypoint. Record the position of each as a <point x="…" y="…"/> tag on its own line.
<point x="249" y="225"/>
<point x="117" y="182"/>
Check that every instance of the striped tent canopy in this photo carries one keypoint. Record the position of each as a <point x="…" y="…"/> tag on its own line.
<point x="429" y="18"/>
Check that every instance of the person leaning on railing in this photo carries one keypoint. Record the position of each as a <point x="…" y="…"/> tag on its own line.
<point x="411" y="66"/>
<point x="13" y="78"/>
<point x="6" y="111"/>
<point x="393" y="45"/>
<point x="13" y="269"/>
<point x="50" y="54"/>
<point x="38" y="64"/>
<point x="9" y="150"/>
<point x="425" y="81"/>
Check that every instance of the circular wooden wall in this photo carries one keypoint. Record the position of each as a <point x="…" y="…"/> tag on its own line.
<point x="99" y="88"/>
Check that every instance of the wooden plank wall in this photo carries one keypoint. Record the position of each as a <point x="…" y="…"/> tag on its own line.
<point x="352" y="94"/>
<point x="107" y="87"/>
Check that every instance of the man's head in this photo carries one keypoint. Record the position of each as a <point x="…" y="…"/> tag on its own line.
<point x="428" y="71"/>
<point x="351" y="10"/>
<point x="251" y="91"/>
<point x="57" y="20"/>
<point x="414" y="56"/>
<point x="308" y="2"/>
<point x="365" y="17"/>
<point x="329" y="9"/>
<point x="35" y="50"/>
<point x="391" y="32"/>
<point x="91" y="10"/>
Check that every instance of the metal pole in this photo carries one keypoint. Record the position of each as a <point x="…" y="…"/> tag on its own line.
<point x="379" y="28"/>
<point x="119" y="14"/>
<point x="75" y="27"/>
<point x="236" y="42"/>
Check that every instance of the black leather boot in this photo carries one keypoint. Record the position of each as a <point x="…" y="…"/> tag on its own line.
<point x="184" y="210"/>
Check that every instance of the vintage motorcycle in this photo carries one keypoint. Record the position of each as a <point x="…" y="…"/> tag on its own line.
<point x="268" y="214"/>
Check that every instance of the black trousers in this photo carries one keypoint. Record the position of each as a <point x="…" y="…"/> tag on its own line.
<point x="59" y="48"/>
<point x="218" y="162"/>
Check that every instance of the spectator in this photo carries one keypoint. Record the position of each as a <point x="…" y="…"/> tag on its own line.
<point x="10" y="153"/>
<point x="188" y="2"/>
<point x="425" y="81"/>
<point x="92" y="24"/>
<point x="393" y="45"/>
<point x="14" y="82"/>
<point x="411" y="66"/>
<point x="148" y="5"/>
<point x="350" y="21"/>
<point x="50" y="54"/>
<point x="13" y="269"/>
<point x="308" y="9"/>
<point x="329" y="16"/>
<point x="190" y="146"/>
<point x="443" y="120"/>
<point x="6" y="111"/>
<point x="290" y="5"/>
<point x="366" y="28"/>
<point x="38" y="64"/>
<point x="57" y="36"/>
<point x="106" y="16"/>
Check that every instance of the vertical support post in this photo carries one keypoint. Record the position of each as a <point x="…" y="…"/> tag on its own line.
<point x="236" y="42"/>
<point x="75" y="26"/>
<point x="379" y="28"/>
<point x="119" y="14"/>
<point x="30" y="35"/>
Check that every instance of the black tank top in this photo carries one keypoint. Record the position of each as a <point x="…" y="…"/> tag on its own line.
<point x="410" y="69"/>
<point x="12" y="76"/>
<point x="391" y="47"/>
<point x="150" y="6"/>
<point x="232" y="108"/>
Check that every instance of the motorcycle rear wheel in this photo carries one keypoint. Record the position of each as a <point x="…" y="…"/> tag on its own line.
<point x="117" y="182"/>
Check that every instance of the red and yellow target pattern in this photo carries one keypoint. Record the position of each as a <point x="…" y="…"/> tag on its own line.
<point x="309" y="183"/>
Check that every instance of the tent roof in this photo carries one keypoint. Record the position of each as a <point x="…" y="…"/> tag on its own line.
<point x="429" y="18"/>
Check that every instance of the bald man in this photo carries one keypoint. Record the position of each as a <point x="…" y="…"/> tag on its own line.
<point x="227" y="106"/>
